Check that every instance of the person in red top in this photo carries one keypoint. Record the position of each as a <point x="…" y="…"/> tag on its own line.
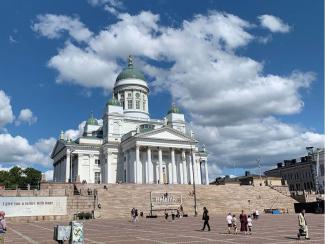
<point x="243" y="222"/>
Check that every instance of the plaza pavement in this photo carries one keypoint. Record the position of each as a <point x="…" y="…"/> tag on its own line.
<point x="268" y="229"/>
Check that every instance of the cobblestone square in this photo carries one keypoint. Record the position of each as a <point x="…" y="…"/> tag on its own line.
<point x="268" y="229"/>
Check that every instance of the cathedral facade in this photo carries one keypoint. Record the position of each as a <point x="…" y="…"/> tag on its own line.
<point x="130" y="146"/>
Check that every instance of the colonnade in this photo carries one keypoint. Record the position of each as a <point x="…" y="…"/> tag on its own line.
<point x="150" y="165"/>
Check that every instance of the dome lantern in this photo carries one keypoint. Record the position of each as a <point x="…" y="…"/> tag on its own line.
<point x="92" y="120"/>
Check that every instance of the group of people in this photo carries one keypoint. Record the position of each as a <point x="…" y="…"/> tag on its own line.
<point x="179" y="213"/>
<point x="246" y="222"/>
<point x="134" y="215"/>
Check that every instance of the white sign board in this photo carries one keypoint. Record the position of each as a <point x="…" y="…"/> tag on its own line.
<point x="165" y="200"/>
<point x="33" y="206"/>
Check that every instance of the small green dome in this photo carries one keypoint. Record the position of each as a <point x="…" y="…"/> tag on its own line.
<point x="114" y="102"/>
<point x="130" y="72"/>
<point x="92" y="120"/>
<point x="174" y="110"/>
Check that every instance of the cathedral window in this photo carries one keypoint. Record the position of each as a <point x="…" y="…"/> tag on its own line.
<point x="129" y="94"/>
<point x="144" y="104"/>
<point x="130" y="105"/>
<point x="137" y="95"/>
<point x="137" y="104"/>
<point x="97" y="161"/>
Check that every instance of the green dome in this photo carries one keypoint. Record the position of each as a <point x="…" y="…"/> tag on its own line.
<point x="174" y="110"/>
<point x="114" y="102"/>
<point x="130" y="72"/>
<point x="92" y="120"/>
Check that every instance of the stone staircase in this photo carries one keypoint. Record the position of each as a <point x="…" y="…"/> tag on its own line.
<point x="118" y="199"/>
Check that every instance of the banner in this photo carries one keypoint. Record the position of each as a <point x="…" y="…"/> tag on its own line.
<point x="165" y="200"/>
<point x="33" y="206"/>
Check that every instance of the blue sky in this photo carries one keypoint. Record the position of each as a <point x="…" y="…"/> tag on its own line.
<point x="288" y="47"/>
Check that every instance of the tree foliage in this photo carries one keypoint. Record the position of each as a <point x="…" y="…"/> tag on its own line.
<point x="17" y="177"/>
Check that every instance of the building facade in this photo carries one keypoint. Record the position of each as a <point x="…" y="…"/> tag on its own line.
<point x="306" y="175"/>
<point x="130" y="146"/>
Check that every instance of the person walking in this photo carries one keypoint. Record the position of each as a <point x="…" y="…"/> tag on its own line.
<point x="249" y="224"/>
<point x="257" y="214"/>
<point x="229" y="222"/>
<point x="3" y="227"/>
<point x="234" y="223"/>
<point x="205" y="218"/>
<point x="243" y="222"/>
<point x="303" y="228"/>
<point x="133" y="217"/>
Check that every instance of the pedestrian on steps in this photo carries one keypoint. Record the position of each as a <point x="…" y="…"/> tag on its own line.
<point x="205" y="218"/>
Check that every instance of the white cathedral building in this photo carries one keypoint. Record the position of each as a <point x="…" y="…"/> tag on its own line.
<point x="130" y="146"/>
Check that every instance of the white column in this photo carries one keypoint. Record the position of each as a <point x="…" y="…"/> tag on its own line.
<point x="67" y="166"/>
<point x="174" y="175"/>
<point x="199" y="175"/>
<point x="194" y="167"/>
<point x="145" y="168"/>
<point x="206" y="172"/>
<point x="126" y="166"/>
<point x="137" y="164"/>
<point x="149" y="165"/>
<point x="183" y="158"/>
<point x="161" y="181"/>
<point x="190" y="166"/>
<point x="180" y="170"/>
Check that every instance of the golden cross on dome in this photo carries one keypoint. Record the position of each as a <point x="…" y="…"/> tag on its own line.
<point x="130" y="61"/>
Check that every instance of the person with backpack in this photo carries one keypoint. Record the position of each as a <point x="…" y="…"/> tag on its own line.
<point x="205" y="218"/>
<point x="303" y="228"/>
<point x="229" y="222"/>
<point x="133" y="219"/>
<point x="3" y="227"/>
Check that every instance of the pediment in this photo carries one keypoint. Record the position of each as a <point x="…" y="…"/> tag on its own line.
<point x="166" y="133"/>
<point x="57" y="148"/>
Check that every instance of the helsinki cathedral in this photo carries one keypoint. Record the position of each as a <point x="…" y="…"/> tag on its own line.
<point x="129" y="146"/>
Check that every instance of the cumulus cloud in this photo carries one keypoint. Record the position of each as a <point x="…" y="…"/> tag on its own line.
<point x="6" y="114"/>
<point x="17" y="149"/>
<point x="52" y="26"/>
<point x="111" y="6"/>
<point x="26" y="116"/>
<point x="232" y="102"/>
<point x="84" y="68"/>
<point x="273" y="23"/>
<point x="48" y="175"/>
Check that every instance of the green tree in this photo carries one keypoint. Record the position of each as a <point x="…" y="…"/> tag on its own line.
<point x="17" y="177"/>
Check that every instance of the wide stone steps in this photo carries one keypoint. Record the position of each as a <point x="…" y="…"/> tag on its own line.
<point x="118" y="200"/>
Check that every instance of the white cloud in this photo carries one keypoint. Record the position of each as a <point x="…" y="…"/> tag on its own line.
<point x="17" y="149"/>
<point x="12" y="40"/>
<point x="231" y="100"/>
<point x="48" y="175"/>
<point x="84" y="68"/>
<point x="111" y="6"/>
<point x="273" y="23"/>
<point x="6" y="114"/>
<point x="26" y="115"/>
<point x="52" y="26"/>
